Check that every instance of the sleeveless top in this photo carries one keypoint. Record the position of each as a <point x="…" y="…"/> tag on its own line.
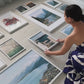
<point x="74" y="67"/>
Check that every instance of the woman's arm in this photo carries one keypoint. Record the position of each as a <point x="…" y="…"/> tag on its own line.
<point x="68" y="42"/>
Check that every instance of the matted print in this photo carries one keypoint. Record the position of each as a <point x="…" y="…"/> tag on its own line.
<point x="43" y="40"/>
<point x="11" y="22"/>
<point x="11" y="48"/>
<point x="53" y="3"/>
<point x="31" y="69"/>
<point x="1" y="35"/>
<point x="2" y="65"/>
<point x="21" y="9"/>
<point x="62" y="7"/>
<point x="30" y="4"/>
<point x="46" y="17"/>
<point x="67" y="30"/>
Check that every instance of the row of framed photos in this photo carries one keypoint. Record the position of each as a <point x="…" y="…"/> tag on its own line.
<point x="42" y="15"/>
<point x="42" y="40"/>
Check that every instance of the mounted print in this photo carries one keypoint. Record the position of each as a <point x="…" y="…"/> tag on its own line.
<point x="30" y="4"/>
<point x="43" y="41"/>
<point x="11" y="48"/>
<point x="67" y="30"/>
<point x="21" y="9"/>
<point x="2" y="65"/>
<point x="53" y="3"/>
<point x="31" y="69"/>
<point x="1" y="35"/>
<point x="62" y="7"/>
<point x="46" y="17"/>
<point x="11" y="22"/>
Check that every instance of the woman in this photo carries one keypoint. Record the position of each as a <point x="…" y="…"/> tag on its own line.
<point x="75" y="63"/>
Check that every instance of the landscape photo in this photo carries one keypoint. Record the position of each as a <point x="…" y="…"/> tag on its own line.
<point x="21" y="8"/>
<point x="30" y="69"/>
<point x="11" y="48"/>
<point x="11" y="22"/>
<point x="67" y="30"/>
<point x="45" y="17"/>
<point x="53" y="3"/>
<point x="43" y="41"/>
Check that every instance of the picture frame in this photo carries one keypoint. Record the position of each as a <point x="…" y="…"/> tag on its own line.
<point x="53" y="3"/>
<point x="11" y="48"/>
<point x="35" y="71"/>
<point x="1" y="35"/>
<point x="22" y="9"/>
<point x="11" y="22"/>
<point x="62" y="7"/>
<point x="31" y="4"/>
<point x="45" y="17"/>
<point x="43" y="41"/>
<point x="66" y="30"/>
<point x="2" y="64"/>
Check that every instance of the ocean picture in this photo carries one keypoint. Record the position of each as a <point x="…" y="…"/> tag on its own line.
<point x="52" y="2"/>
<point x="44" y="16"/>
<point x="67" y="30"/>
<point x="11" y="48"/>
<point x="30" y="69"/>
<point x="42" y="40"/>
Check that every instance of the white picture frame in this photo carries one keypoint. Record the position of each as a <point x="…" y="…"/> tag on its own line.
<point x="46" y="17"/>
<point x="1" y="35"/>
<point x="2" y="64"/>
<point x="62" y="7"/>
<point x="43" y="41"/>
<point x="35" y="65"/>
<point x="11" y="22"/>
<point x="66" y="30"/>
<point x="11" y="48"/>
<point x="53" y="3"/>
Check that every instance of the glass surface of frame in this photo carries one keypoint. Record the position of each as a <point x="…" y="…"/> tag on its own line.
<point x="46" y="17"/>
<point x="11" y="48"/>
<point x="32" y="68"/>
<point x="43" y="41"/>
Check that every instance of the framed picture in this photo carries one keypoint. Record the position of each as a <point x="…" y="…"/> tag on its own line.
<point x="67" y="30"/>
<point x="43" y="40"/>
<point x="1" y="35"/>
<point x="62" y="7"/>
<point x="21" y="9"/>
<point x="11" y="22"/>
<point x="11" y="48"/>
<point x="30" y="4"/>
<point x="31" y="69"/>
<point x="2" y="65"/>
<point x="53" y="3"/>
<point x="46" y="17"/>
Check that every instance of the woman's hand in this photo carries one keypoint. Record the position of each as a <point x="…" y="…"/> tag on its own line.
<point x="47" y="52"/>
<point x="60" y="40"/>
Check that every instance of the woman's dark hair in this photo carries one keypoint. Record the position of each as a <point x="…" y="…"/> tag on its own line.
<point x="75" y="12"/>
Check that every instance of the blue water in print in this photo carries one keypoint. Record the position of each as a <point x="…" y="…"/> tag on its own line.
<point x="35" y="76"/>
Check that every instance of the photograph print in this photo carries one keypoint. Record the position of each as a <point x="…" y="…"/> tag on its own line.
<point x="53" y="3"/>
<point x="30" y="4"/>
<point x="32" y="68"/>
<point x="11" y="48"/>
<point x="11" y="22"/>
<point x="62" y="7"/>
<point x="21" y="9"/>
<point x="43" y="40"/>
<point x="47" y="18"/>
<point x="67" y="30"/>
